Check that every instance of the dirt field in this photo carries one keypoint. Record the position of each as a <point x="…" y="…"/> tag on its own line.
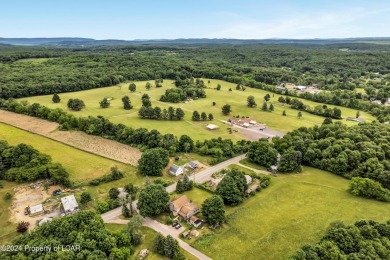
<point x="26" y="196"/>
<point x="94" y="144"/>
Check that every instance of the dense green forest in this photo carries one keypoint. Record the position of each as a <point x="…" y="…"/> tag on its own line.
<point x="363" y="240"/>
<point x="46" y="70"/>
<point x="23" y="163"/>
<point x="78" y="236"/>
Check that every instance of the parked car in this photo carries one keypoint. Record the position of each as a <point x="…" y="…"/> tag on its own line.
<point x="57" y="192"/>
<point x="26" y="211"/>
<point x="178" y="226"/>
<point x="174" y="224"/>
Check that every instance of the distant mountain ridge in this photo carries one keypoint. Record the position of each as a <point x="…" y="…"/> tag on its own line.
<point x="64" y="41"/>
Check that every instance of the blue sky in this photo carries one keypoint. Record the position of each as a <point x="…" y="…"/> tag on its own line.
<point x="170" y="19"/>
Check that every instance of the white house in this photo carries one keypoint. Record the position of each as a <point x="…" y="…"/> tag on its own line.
<point x="69" y="204"/>
<point x="176" y="170"/>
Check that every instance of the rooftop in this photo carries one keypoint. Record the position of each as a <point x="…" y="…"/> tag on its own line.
<point x="69" y="203"/>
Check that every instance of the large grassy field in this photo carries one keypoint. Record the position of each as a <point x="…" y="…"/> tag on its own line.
<point x="82" y="166"/>
<point x="197" y="130"/>
<point x="295" y="210"/>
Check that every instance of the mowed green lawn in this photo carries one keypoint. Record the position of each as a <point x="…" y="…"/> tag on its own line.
<point x="295" y="210"/>
<point x="197" y="130"/>
<point x="82" y="166"/>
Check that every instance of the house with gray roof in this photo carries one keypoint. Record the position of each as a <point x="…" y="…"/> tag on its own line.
<point x="176" y="170"/>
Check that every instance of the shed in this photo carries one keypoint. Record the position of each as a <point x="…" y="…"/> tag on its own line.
<point x="36" y="210"/>
<point x="69" y="204"/>
<point x="176" y="170"/>
<point x="193" y="165"/>
<point x="212" y="127"/>
<point x="194" y="233"/>
<point x="185" y="234"/>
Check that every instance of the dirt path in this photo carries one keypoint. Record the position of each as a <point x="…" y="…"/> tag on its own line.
<point x="80" y="140"/>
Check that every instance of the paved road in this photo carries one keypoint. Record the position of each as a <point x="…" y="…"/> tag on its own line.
<point x="200" y="177"/>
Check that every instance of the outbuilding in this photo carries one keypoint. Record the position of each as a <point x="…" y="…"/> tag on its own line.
<point x="36" y="210"/>
<point x="176" y="170"/>
<point x="69" y="204"/>
<point x="212" y="127"/>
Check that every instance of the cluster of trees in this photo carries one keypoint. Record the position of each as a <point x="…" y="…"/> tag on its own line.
<point x="368" y="188"/>
<point x="320" y="110"/>
<point x="75" y="104"/>
<point x="153" y="161"/>
<point x="153" y="200"/>
<point x="358" y="151"/>
<point x="213" y="210"/>
<point x="167" y="246"/>
<point x="182" y="93"/>
<point x="203" y="116"/>
<point x="161" y="114"/>
<point x="366" y="239"/>
<point x="23" y="163"/>
<point x="232" y="187"/>
<point x="184" y="185"/>
<point x="115" y="174"/>
<point x="83" y="228"/>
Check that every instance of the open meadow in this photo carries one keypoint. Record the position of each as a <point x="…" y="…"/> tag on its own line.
<point x="197" y="130"/>
<point x="82" y="166"/>
<point x="295" y="210"/>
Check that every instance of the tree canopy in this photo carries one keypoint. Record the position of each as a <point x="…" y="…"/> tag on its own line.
<point x="153" y="200"/>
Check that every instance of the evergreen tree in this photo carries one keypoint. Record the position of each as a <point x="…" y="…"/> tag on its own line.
<point x="195" y="116"/>
<point x="226" y="109"/>
<point x="284" y="113"/>
<point x="126" y="103"/>
<point x="56" y="98"/>
<point x="251" y="101"/>
<point x="299" y="115"/>
<point x="132" y="87"/>
<point x="219" y="87"/>
<point x="211" y="117"/>
<point x="265" y="107"/>
<point x="271" y="107"/>
<point x="203" y="116"/>
<point x="179" y="113"/>
<point x="125" y="209"/>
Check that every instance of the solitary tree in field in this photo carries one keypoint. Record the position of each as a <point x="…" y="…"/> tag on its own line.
<point x="357" y="114"/>
<point x="265" y="107"/>
<point x="132" y="87"/>
<point x="284" y="113"/>
<point x="126" y="103"/>
<point x="105" y="103"/>
<point x="148" y="85"/>
<point x="281" y="100"/>
<point x="214" y="103"/>
<point x="271" y="107"/>
<point x="203" y="116"/>
<point x="211" y="117"/>
<point x="238" y="87"/>
<point x="56" y="98"/>
<point x="230" y="89"/>
<point x="299" y="115"/>
<point x="75" y="104"/>
<point x="251" y="101"/>
<point x="226" y="109"/>
<point x="267" y="97"/>
<point x="219" y="87"/>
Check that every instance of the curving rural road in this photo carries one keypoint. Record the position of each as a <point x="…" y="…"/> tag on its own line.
<point x="200" y="177"/>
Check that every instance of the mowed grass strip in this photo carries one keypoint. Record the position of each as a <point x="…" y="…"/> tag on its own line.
<point x="82" y="166"/>
<point x="197" y="130"/>
<point x="295" y="210"/>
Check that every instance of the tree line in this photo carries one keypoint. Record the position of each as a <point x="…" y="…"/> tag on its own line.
<point x="366" y="239"/>
<point x="142" y="138"/>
